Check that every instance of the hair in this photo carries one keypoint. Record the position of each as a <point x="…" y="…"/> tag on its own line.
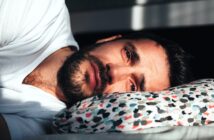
<point x="178" y="59"/>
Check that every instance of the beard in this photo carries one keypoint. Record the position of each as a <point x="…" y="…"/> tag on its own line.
<point x="71" y="79"/>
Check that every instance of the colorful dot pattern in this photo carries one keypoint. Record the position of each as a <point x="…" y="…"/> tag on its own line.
<point x="186" y="105"/>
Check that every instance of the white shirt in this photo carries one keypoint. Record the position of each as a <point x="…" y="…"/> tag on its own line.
<point x="30" y="30"/>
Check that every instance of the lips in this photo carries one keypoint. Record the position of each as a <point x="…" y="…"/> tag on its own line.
<point x="95" y="81"/>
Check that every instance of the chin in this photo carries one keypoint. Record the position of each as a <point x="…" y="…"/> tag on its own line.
<point x="72" y="77"/>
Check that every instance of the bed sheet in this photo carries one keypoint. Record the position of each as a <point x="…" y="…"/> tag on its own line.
<point x="162" y="133"/>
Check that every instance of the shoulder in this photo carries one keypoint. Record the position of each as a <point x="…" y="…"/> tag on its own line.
<point x="24" y="17"/>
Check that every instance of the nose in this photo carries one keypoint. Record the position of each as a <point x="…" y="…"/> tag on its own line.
<point x="117" y="72"/>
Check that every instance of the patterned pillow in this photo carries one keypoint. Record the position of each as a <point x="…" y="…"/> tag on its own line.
<point x="186" y="105"/>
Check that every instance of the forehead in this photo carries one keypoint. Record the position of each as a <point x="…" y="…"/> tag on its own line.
<point x="139" y="45"/>
<point x="138" y="42"/>
<point x="152" y="62"/>
<point x="147" y="46"/>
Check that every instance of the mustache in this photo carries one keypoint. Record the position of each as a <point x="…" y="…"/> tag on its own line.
<point x="102" y="73"/>
<point x="67" y="74"/>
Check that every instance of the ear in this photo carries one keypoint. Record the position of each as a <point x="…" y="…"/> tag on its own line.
<point x="108" y="39"/>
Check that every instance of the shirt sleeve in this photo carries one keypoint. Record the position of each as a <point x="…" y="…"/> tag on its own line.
<point x="30" y="28"/>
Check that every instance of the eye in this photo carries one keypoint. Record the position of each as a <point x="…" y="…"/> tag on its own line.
<point x="132" y="86"/>
<point x="127" y="54"/>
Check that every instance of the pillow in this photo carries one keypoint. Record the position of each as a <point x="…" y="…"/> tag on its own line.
<point x="186" y="105"/>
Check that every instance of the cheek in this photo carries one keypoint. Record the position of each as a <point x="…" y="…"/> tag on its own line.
<point x="108" y="55"/>
<point x="116" y="87"/>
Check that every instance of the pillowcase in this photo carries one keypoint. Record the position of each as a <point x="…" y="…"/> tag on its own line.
<point x="186" y="105"/>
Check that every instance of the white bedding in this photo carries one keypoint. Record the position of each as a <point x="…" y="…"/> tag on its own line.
<point x="166" y="133"/>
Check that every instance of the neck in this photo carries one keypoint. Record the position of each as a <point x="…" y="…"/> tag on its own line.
<point x="45" y="75"/>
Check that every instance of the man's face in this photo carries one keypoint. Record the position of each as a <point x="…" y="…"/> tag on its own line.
<point x="119" y="66"/>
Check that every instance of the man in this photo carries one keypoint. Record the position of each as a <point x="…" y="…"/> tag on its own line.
<point x="42" y="71"/>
